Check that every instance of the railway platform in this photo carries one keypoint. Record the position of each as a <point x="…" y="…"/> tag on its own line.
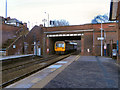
<point x="14" y="56"/>
<point x="75" y="72"/>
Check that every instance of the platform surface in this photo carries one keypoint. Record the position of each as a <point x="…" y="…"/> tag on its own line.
<point x="14" y="56"/>
<point x="75" y="72"/>
<point x="88" y="72"/>
<point x="44" y="76"/>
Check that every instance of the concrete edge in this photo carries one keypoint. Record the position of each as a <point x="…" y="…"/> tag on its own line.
<point x="15" y="56"/>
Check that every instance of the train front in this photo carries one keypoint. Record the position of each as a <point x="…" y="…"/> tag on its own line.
<point x="60" y="47"/>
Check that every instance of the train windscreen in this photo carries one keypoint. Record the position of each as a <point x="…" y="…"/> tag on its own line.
<point x="60" y="45"/>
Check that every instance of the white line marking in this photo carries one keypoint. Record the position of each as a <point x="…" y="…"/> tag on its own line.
<point x="55" y="66"/>
<point x="36" y="80"/>
<point x="62" y="62"/>
<point x="108" y="58"/>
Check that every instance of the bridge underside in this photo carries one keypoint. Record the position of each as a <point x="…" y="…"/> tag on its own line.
<point x="66" y="38"/>
<point x="51" y="41"/>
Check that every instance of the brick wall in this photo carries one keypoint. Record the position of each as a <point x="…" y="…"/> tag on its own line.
<point x="111" y="35"/>
<point x="88" y="43"/>
<point x="18" y="47"/>
<point x="68" y="28"/>
<point x="36" y="34"/>
<point x="10" y="32"/>
<point x="25" y="43"/>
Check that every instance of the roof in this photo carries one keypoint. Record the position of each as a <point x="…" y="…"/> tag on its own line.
<point x="14" y="20"/>
<point x="113" y="10"/>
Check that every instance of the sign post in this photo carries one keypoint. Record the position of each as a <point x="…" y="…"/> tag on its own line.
<point x="105" y="50"/>
<point x="117" y="46"/>
<point x="100" y="38"/>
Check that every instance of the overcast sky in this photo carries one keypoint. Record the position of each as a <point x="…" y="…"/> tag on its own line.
<point x="75" y="11"/>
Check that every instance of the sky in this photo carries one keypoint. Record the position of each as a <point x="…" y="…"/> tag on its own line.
<point x="75" y="11"/>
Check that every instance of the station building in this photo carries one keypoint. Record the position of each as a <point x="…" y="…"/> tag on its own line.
<point x="11" y="30"/>
<point x="115" y="15"/>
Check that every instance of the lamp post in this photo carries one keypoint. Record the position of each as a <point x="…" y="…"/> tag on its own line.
<point x="101" y="39"/>
<point x="6" y="10"/>
<point x="105" y="45"/>
<point x="44" y="20"/>
<point x="101" y="36"/>
<point x="48" y="17"/>
<point x="29" y="25"/>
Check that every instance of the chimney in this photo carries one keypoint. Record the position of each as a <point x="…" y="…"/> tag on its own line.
<point x="41" y="25"/>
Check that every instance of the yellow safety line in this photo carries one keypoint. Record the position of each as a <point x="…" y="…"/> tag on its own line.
<point x="77" y="57"/>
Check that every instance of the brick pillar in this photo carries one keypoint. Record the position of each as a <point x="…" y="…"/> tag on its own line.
<point x="93" y="52"/>
<point x="82" y="45"/>
<point x="6" y="52"/>
<point x="47" y="45"/>
<point x="44" y="46"/>
<point x="111" y="47"/>
<point x="51" y="46"/>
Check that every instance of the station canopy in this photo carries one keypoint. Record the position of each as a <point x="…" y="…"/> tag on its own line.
<point x="113" y="10"/>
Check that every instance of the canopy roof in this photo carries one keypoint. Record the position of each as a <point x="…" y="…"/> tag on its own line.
<point x="113" y="9"/>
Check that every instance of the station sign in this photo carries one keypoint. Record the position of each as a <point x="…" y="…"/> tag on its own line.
<point x="117" y="46"/>
<point x="100" y="38"/>
<point x="105" y="47"/>
<point x="14" y="46"/>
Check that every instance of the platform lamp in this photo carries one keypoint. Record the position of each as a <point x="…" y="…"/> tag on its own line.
<point x="48" y="17"/>
<point x="44" y="20"/>
<point x="101" y="39"/>
<point x="105" y="45"/>
<point x="6" y="9"/>
<point x="99" y="18"/>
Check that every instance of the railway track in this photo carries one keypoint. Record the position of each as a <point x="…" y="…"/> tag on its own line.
<point x="26" y="64"/>
<point x="20" y="71"/>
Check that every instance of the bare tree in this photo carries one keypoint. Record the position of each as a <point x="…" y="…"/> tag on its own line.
<point x="104" y="18"/>
<point x="61" y="22"/>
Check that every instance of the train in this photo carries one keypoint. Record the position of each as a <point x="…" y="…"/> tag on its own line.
<point x="64" y="47"/>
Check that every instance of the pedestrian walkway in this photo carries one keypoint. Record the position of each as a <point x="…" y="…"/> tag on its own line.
<point x="88" y="72"/>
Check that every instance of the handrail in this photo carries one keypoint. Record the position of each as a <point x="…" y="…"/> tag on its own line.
<point x="14" y="42"/>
